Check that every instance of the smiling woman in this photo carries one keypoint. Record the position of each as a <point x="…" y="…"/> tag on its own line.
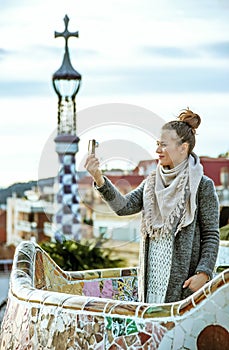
<point x="180" y="215"/>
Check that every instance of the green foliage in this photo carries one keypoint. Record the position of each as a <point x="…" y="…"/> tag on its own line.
<point x="221" y="268"/>
<point x="224" y="233"/>
<point x="84" y="255"/>
<point x="224" y="155"/>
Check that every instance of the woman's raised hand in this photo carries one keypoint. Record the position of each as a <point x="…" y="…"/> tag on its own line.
<point x="92" y="166"/>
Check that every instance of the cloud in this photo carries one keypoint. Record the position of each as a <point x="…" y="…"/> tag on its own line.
<point x="24" y="88"/>
<point x="153" y="79"/>
<point x="3" y="53"/>
<point x="199" y="9"/>
<point x="218" y="49"/>
<point x="215" y="49"/>
<point x="166" y="51"/>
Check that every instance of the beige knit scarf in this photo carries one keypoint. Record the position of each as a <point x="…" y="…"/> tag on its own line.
<point x="170" y="197"/>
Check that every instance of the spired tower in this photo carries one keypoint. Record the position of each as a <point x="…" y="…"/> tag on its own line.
<point x="66" y="82"/>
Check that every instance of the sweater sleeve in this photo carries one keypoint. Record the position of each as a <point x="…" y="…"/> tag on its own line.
<point x="122" y="205"/>
<point x="209" y="226"/>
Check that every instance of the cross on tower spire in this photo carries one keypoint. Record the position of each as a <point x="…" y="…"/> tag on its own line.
<point x="66" y="34"/>
<point x="66" y="71"/>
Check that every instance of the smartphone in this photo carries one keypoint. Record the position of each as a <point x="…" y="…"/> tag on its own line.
<point x="92" y="144"/>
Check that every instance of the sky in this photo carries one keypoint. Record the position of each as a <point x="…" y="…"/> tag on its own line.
<point x="162" y="56"/>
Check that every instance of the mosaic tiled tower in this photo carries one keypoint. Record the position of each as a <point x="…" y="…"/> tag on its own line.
<point x="66" y="83"/>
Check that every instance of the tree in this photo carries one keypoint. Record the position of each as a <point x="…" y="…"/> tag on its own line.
<point x="224" y="155"/>
<point x="84" y="255"/>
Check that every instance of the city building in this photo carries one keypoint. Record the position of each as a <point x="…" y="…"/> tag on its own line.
<point x="26" y="219"/>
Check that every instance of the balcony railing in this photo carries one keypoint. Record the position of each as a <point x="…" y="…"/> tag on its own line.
<point x="26" y="226"/>
<point x="49" y="229"/>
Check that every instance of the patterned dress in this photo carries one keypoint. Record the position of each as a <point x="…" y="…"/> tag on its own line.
<point x="158" y="268"/>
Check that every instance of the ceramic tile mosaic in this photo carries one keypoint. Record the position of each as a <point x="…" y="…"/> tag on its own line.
<point x="67" y="217"/>
<point x="52" y="309"/>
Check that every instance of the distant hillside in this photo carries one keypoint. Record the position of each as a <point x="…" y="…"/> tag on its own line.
<point x="18" y="188"/>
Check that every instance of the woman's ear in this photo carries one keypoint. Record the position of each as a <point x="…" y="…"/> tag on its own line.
<point x="184" y="147"/>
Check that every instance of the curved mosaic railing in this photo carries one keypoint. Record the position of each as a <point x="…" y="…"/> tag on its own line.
<point x="52" y="309"/>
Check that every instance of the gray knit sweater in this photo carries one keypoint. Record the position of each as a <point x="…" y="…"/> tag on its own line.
<point x="195" y="246"/>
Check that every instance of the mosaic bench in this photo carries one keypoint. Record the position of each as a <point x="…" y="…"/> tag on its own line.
<point x="53" y="309"/>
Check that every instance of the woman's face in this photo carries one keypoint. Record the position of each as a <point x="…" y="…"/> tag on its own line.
<point x="170" y="151"/>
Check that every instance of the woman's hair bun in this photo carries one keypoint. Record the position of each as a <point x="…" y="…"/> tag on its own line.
<point x="191" y="118"/>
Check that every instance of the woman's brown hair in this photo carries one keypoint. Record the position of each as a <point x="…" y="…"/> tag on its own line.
<point x="185" y="127"/>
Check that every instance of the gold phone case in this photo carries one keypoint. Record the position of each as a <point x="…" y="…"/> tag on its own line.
<point x="92" y="144"/>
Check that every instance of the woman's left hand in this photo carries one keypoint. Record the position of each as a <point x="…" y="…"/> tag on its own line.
<point x="196" y="282"/>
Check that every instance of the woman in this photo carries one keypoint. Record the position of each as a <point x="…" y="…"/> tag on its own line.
<point x="180" y="215"/>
